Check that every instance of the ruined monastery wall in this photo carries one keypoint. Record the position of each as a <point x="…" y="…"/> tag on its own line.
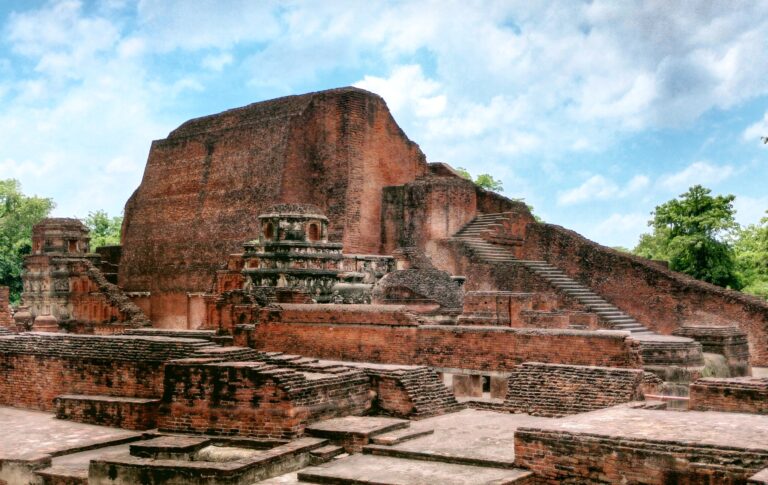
<point x="205" y="185"/>
<point x="37" y="367"/>
<point x="460" y="347"/>
<point x="254" y="399"/>
<point x="661" y="299"/>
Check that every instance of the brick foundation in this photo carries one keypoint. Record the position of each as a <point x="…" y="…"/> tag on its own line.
<point x="563" y="457"/>
<point x="736" y="395"/>
<point x="256" y="399"/>
<point x="36" y="368"/>
<point x="559" y="390"/>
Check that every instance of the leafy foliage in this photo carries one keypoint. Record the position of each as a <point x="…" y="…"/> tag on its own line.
<point x="487" y="182"/>
<point x="483" y="180"/>
<point x="692" y="232"/>
<point x="18" y="213"/>
<point x="751" y="248"/>
<point x="105" y="230"/>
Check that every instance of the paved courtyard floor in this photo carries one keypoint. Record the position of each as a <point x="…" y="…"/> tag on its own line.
<point x="472" y="434"/>
<point x="26" y="434"/>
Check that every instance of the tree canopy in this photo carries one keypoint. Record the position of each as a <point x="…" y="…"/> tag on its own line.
<point x="483" y="180"/>
<point x="18" y="213"/>
<point x="105" y="230"/>
<point x="751" y="248"/>
<point x="693" y="233"/>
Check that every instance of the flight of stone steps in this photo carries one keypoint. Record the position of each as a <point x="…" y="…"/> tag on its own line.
<point x="471" y="236"/>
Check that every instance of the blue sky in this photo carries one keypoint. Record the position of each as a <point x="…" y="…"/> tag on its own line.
<point x="593" y="112"/>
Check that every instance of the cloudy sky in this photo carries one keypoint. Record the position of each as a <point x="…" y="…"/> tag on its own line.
<point x="594" y="112"/>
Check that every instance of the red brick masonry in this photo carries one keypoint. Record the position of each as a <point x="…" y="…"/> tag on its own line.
<point x="296" y="329"/>
<point x="736" y="395"/>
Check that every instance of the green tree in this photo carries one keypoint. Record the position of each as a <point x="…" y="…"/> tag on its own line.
<point x="751" y="250"/>
<point x="691" y="232"/>
<point x="105" y="230"/>
<point x="487" y="182"/>
<point x="464" y="173"/>
<point x="18" y="213"/>
<point x="483" y="180"/>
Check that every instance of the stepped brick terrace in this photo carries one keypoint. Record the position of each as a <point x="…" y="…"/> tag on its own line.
<point x="299" y="296"/>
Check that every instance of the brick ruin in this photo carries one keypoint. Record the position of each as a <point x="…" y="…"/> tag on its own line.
<point x="295" y="277"/>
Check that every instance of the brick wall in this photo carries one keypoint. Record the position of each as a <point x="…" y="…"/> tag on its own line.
<point x="659" y="298"/>
<point x="6" y="320"/>
<point x="561" y="457"/>
<point x="35" y="368"/>
<point x="735" y="395"/>
<point x="256" y="399"/>
<point x="559" y="390"/>
<point x="478" y="348"/>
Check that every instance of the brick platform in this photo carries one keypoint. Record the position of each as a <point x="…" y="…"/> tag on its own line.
<point x="623" y="445"/>
<point x="736" y="395"/>
<point x="256" y="399"/>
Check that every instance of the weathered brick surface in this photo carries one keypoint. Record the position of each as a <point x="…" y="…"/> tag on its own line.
<point x="127" y="413"/>
<point x="562" y="457"/>
<point x="479" y="348"/>
<point x="6" y="320"/>
<point x="256" y="399"/>
<point x="77" y="293"/>
<point x="736" y="395"/>
<point x="402" y="391"/>
<point x="659" y="298"/>
<point x="206" y="183"/>
<point x="559" y="390"/>
<point x="35" y="368"/>
<point x="730" y="342"/>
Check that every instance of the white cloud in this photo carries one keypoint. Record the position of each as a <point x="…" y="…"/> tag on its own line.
<point x="701" y="172"/>
<point x="407" y="89"/>
<point x="749" y="210"/>
<point x="599" y="187"/>
<point x="217" y="62"/>
<point x="491" y="88"/>
<point x="619" y="228"/>
<point x="177" y="24"/>
<point x="755" y="131"/>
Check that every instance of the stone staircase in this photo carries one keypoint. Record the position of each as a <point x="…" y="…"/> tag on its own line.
<point x="471" y="236"/>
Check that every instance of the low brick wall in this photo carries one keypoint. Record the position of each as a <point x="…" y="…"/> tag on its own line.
<point x="736" y="395"/>
<point x="36" y="367"/>
<point x="256" y="399"/>
<point x="559" y="390"/>
<point x="461" y="347"/>
<point x="118" y="412"/>
<point x="564" y="457"/>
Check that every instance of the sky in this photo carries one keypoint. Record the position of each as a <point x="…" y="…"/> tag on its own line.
<point x="593" y="112"/>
